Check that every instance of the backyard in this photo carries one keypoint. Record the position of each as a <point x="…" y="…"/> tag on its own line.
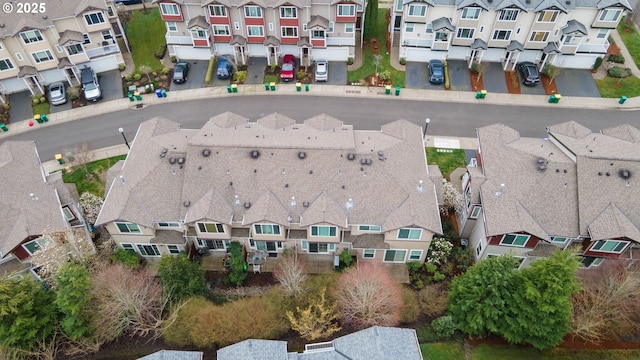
<point x="92" y="178"/>
<point x="145" y="31"/>
<point x="455" y="351"/>
<point x="614" y="87"/>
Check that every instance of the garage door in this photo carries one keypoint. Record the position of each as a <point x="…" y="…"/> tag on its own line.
<point x="13" y="85"/>
<point x="53" y="75"/>
<point x="423" y="54"/>
<point x="529" y="55"/>
<point x="458" y="52"/>
<point x="257" y="50"/>
<point x="103" y="64"/>
<point x="493" y="55"/>
<point x="191" y="53"/>
<point x="331" y="54"/>
<point x="290" y="49"/>
<point x="578" y="61"/>
<point x="223" y="49"/>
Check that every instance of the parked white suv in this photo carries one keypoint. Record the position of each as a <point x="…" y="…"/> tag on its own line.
<point x="90" y="84"/>
<point x="322" y="70"/>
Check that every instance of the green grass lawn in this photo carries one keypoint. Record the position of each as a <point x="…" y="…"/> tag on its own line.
<point x="269" y="78"/>
<point x="145" y="31"/>
<point x="505" y="352"/>
<point x="442" y="351"/>
<point x="42" y="108"/>
<point x="368" y="61"/>
<point x="447" y="160"/>
<point x="610" y="87"/>
<point x="631" y="40"/>
<point x="94" y="184"/>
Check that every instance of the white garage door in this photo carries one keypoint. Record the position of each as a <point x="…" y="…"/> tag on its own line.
<point x="290" y="49"/>
<point x="191" y="53"/>
<point x="223" y="49"/>
<point x="53" y="75"/>
<point x="257" y="50"/>
<point x="331" y="54"/>
<point x="13" y="85"/>
<point x="529" y="55"/>
<point x="579" y="61"/>
<point x="103" y="64"/>
<point x="458" y="52"/>
<point x="492" y="55"/>
<point x="423" y="54"/>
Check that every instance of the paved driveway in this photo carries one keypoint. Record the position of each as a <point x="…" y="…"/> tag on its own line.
<point x="417" y="77"/>
<point x="530" y="90"/>
<point x="195" y="79"/>
<point x="494" y="79"/>
<point x="255" y="70"/>
<point x="20" y="106"/>
<point x="576" y="82"/>
<point x="459" y="75"/>
<point x="111" y="85"/>
<point x="337" y="73"/>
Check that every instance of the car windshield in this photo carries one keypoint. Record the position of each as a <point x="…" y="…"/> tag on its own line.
<point x="437" y="69"/>
<point x="177" y="72"/>
<point x="90" y="86"/>
<point x="287" y="67"/>
<point x="55" y="91"/>
<point x="322" y="69"/>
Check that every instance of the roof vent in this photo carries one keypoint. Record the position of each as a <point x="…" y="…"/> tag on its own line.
<point x="255" y="154"/>
<point x="625" y="174"/>
<point x="489" y="1"/>
<point x="363" y="161"/>
<point x="172" y="160"/>
<point x="181" y="160"/>
<point x="568" y="2"/>
<point x="542" y="168"/>
<point x="527" y="1"/>
<point x="44" y="17"/>
<point x="351" y="156"/>
<point x="302" y="154"/>
<point x="305" y="203"/>
<point x="163" y="153"/>
<point x="206" y="152"/>
<point x="607" y="173"/>
<point x="186" y="203"/>
<point x="368" y="161"/>
<point x="540" y="161"/>
<point x="247" y="205"/>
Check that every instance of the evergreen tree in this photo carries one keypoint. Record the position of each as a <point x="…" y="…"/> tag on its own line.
<point x="73" y="285"/>
<point x="371" y="19"/>
<point x="181" y="277"/>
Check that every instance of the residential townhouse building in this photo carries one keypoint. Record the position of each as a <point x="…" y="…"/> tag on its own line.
<point x="32" y="204"/>
<point x="574" y="189"/>
<point x="308" y="29"/>
<point x="315" y="188"/>
<point x="39" y="48"/>
<point x="564" y="33"/>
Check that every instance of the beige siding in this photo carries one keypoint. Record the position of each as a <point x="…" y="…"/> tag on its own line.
<point x="143" y="238"/>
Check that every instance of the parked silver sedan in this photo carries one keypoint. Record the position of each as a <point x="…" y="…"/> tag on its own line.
<point x="57" y="93"/>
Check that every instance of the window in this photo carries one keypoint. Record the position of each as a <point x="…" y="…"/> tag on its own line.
<point x="442" y="36"/>
<point x="410" y="234"/>
<point x="610" y="246"/>
<point x="408" y="27"/>
<point x="255" y="30"/>
<point x="35" y="245"/>
<point x="128" y="228"/>
<point x="609" y="15"/>
<point x="465" y="33"/>
<point x="58" y="48"/>
<point x="288" y="12"/>
<point x="266" y="229"/>
<point x="304" y="27"/>
<point x="148" y="249"/>
<point x="75" y="49"/>
<point x="106" y="35"/>
<point x="415" y="255"/>
<point x="323" y="231"/>
<point x="479" y="249"/>
<point x="236" y="25"/>
<point x="128" y="247"/>
<point x="169" y="9"/>
<point x="212" y="244"/>
<point x="399" y="5"/>
<point x="349" y="27"/>
<point x="346" y="10"/>
<point x="218" y="10"/>
<point x="19" y="56"/>
<point x="211" y="228"/>
<point x="470" y="13"/>
<point x="547" y="16"/>
<point x="253" y="11"/>
<point x="173" y="249"/>
<point x="567" y="39"/>
<point x="110" y="11"/>
<point x="514" y="240"/>
<point x="31" y="36"/>
<point x="319" y="247"/>
<point x="417" y="10"/>
<point x="429" y="28"/>
<point x="501" y="35"/>
<point x="368" y="253"/>
<point x="602" y="34"/>
<point x="271" y="246"/>
<point x="508" y="15"/>
<point x="317" y="34"/>
<point x="93" y="19"/>
<point x="475" y="212"/>
<point x="199" y="34"/>
<point x="42" y="56"/>
<point x="289" y="31"/>
<point x="590" y="261"/>
<point x="371" y="228"/>
<point x="559" y="239"/>
<point x="331" y="26"/>
<point x="5" y="64"/>
<point x="395" y="255"/>
<point x="172" y="26"/>
<point x="86" y="38"/>
<point x="221" y="30"/>
<point x="539" y="36"/>
<point x="270" y="26"/>
<point x="168" y="225"/>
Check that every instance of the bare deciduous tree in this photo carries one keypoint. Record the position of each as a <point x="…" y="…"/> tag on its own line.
<point x="368" y="295"/>
<point x="608" y="306"/>
<point x="82" y="155"/>
<point x="291" y="275"/>
<point x="316" y="320"/>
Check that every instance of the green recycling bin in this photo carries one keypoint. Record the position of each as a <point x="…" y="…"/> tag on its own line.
<point x="130" y="96"/>
<point x="481" y="94"/>
<point x="397" y="90"/>
<point x="266" y="86"/>
<point x="137" y="95"/>
<point x="44" y="118"/>
<point x="59" y="159"/>
<point x="552" y="98"/>
<point x="298" y="86"/>
<point x="558" y="97"/>
<point x="234" y="88"/>
<point x="272" y="86"/>
<point x="37" y="118"/>
<point x="164" y="93"/>
<point x="622" y="99"/>
<point x="387" y="89"/>
<point x="229" y="88"/>
<point x="306" y="87"/>
<point x="4" y="127"/>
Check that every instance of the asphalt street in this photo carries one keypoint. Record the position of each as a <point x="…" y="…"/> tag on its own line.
<point x="447" y="119"/>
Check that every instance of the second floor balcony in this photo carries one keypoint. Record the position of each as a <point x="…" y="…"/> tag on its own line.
<point x="179" y="40"/>
<point x="594" y="48"/>
<point x="102" y="51"/>
<point x="422" y="43"/>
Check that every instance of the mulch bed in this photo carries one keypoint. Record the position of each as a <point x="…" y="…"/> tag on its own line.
<point x="513" y="82"/>
<point x="549" y="85"/>
<point x="375" y="45"/>
<point x="476" y="81"/>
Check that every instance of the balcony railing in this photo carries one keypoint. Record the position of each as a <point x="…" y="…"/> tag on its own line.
<point x="102" y="51"/>
<point x="348" y="41"/>
<point x="423" y="43"/>
<point x="594" y="48"/>
<point x="179" y="40"/>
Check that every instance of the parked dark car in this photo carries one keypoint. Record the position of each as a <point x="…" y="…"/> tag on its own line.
<point x="529" y="73"/>
<point x="128" y="2"/>
<point x="288" y="70"/>
<point x="436" y="71"/>
<point x="180" y="72"/>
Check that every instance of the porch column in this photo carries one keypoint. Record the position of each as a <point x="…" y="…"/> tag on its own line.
<point x="472" y="57"/>
<point x="242" y="55"/>
<point x="506" y="63"/>
<point x="544" y="61"/>
<point x="268" y="49"/>
<point x="513" y="66"/>
<point x="235" y="54"/>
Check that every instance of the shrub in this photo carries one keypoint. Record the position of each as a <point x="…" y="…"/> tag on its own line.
<point x="181" y="277"/>
<point x="597" y="63"/>
<point x="433" y="299"/>
<point x="345" y="258"/>
<point x="414" y="265"/>
<point x="137" y="76"/>
<point x="411" y="309"/>
<point x="443" y="327"/>
<point x="426" y="334"/>
<point x="240" y="76"/>
<point x="238" y="270"/>
<point x="300" y="75"/>
<point x="128" y="77"/>
<point x="403" y="61"/>
<point x="616" y="58"/>
<point x="315" y="321"/>
<point x="209" y="76"/>
<point x="73" y="92"/>
<point x="121" y="67"/>
<point x="160" y="51"/>
<point x="35" y="101"/>
<point x="127" y="258"/>
<point x="385" y="75"/>
<point x="6" y="106"/>
<point x="439" y="250"/>
<point x="194" y="311"/>
<point x="173" y="59"/>
<point x="475" y="67"/>
<point x="619" y="72"/>
<point x="165" y="70"/>
<point x="350" y="61"/>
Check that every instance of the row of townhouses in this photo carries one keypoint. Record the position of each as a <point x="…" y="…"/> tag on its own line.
<point x="574" y="189"/>
<point x="52" y="45"/>
<point x="315" y="188"/>
<point x="309" y="29"/>
<point x="565" y="33"/>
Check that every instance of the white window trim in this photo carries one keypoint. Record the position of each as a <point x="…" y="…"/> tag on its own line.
<point x="384" y="257"/>
<point x="351" y="13"/>
<point x="246" y="10"/>
<point x="604" y="11"/>
<point x="195" y="34"/>
<point x="364" y="252"/>
<point x="407" y="25"/>
<point x="419" y="257"/>
<point x="446" y="35"/>
<point x="610" y="252"/>
<point x="36" y="31"/>
<point x="331" y="28"/>
<point x="154" y="246"/>
<point x="169" y="249"/>
<point x="410" y="231"/>
<point x="224" y="10"/>
<point x="323" y="226"/>
<point x="19" y="57"/>
<point x="349" y="28"/>
<point x="87" y="17"/>
<point x="132" y="248"/>
<point x="168" y="224"/>
<point x="282" y="28"/>
<point x="236" y="25"/>
<point x="545" y="11"/>
<point x="304" y="27"/>
<point x="228" y="31"/>
<point x="71" y="215"/>
<point x="419" y="8"/>
<point x="265" y="224"/>
<point x="127" y="224"/>
<point x="461" y="29"/>
<point x="464" y="11"/>
<point x="558" y="242"/>
<point x="9" y="63"/>
<point x="41" y="241"/>
<point x="497" y="31"/>
<point x="52" y="58"/>
<point x="601" y="31"/>
<point x="536" y="41"/>
<point x="516" y="11"/>
<point x="204" y="224"/>
<point x="255" y="26"/>
<point x="168" y="5"/>
<point x="475" y="211"/>
<point x="428" y="29"/>
<point x="369" y="226"/>
<point x="479" y="249"/>
<point x="331" y="247"/>
<point x="513" y="245"/>
<point x="172" y="26"/>
<point x="295" y="10"/>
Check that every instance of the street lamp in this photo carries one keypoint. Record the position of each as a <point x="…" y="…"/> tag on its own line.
<point x="426" y="125"/>
<point x="124" y="137"/>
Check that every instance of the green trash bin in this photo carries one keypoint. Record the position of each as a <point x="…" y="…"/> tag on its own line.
<point x="234" y="88"/>
<point x="397" y="90"/>
<point x="558" y="97"/>
<point x="130" y="95"/>
<point x="164" y="93"/>
<point x="229" y="88"/>
<point x="37" y="118"/>
<point x="622" y="100"/>
<point x="137" y="95"/>
<point x="298" y="86"/>
<point x="306" y="87"/>
<point x="266" y="86"/>
<point x="44" y="118"/>
<point x="272" y="86"/>
<point x="478" y="94"/>
<point x="387" y="89"/>
<point x="4" y="127"/>
<point x="59" y="158"/>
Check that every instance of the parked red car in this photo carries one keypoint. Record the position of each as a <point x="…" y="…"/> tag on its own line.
<point x="288" y="68"/>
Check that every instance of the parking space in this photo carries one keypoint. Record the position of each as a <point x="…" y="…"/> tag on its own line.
<point x="459" y="75"/>
<point x="63" y="107"/>
<point x="576" y="82"/>
<point x="531" y="90"/>
<point x="337" y="73"/>
<point x="195" y="78"/>
<point x="111" y="85"/>
<point x="417" y="77"/>
<point x="493" y="79"/>
<point x="20" y="106"/>
<point x="255" y="70"/>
